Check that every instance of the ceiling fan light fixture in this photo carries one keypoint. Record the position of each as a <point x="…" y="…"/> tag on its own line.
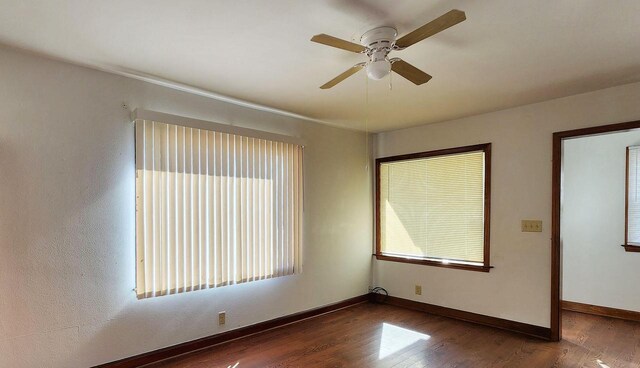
<point x="379" y="42"/>
<point x="378" y="69"/>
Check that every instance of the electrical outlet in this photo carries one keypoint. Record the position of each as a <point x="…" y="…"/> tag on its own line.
<point x="418" y="289"/>
<point x="222" y="318"/>
<point x="532" y="226"/>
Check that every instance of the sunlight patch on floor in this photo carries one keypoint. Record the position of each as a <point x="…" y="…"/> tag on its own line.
<point x="396" y="338"/>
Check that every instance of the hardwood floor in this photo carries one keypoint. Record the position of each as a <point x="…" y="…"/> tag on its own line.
<point x="373" y="335"/>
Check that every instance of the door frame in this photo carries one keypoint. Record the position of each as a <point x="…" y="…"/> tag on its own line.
<point x="556" y="192"/>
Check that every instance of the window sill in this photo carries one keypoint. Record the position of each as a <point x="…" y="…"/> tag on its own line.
<point x="631" y="248"/>
<point x="428" y="262"/>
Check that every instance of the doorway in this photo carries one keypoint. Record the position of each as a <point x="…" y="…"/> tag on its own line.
<point x="556" y="242"/>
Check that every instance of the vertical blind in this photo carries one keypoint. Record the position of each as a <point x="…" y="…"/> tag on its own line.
<point x="214" y="209"/>
<point x="433" y="207"/>
<point x="633" y="196"/>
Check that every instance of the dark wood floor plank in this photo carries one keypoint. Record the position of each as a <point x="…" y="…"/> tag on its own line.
<point x="352" y="337"/>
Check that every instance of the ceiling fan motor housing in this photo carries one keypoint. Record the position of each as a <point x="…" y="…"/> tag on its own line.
<point x="381" y="37"/>
<point x="379" y="42"/>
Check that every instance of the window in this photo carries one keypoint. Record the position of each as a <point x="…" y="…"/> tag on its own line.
<point x="632" y="201"/>
<point x="433" y="208"/>
<point x="214" y="208"/>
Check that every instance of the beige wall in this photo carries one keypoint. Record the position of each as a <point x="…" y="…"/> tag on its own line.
<point x="518" y="288"/>
<point x="67" y="224"/>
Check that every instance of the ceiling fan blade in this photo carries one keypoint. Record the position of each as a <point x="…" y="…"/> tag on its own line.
<point x="409" y="72"/>
<point x="337" y="42"/>
<point x="349" y="72"/>
<point x="451" y="18"/>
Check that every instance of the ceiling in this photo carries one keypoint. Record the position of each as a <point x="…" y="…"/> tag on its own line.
<point x="506" y="53"/>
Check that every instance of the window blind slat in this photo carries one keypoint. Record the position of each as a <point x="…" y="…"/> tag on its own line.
<point x="260" y="268"/>
<point x="165" y="210"/>
<point x="268" y="212"/>
<point x="213" y="208"/>
<point x="298" y="175"/>
<point x="202" y="209"/>
<point x="253" y="209"/>
<point x="249" y="231"/>
<point x="195" y="209"/>
<point x="290" y="214"/>
<point x="171" y="209"/>
<point x="141" y="226"/>
<point x="278" y="207"/>
<point x="237" y="208"/>
<point x="227" y="215"/>
<point x="239" y="225"/>
<point x="155" y="226"/>
<point x="180" y="194"/>
<point x="217" y="203"/>
<point x="286" y="193"/>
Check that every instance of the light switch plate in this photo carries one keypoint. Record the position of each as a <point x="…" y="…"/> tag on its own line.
<point x="532" y="226"/>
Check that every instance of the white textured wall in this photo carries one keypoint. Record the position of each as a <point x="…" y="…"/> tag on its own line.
<point x="596" y="269"/>
<point x="67" y="220"/>
<point x="518" y="288"/>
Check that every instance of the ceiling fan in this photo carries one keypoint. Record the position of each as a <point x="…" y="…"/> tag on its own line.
<point x="379" y="42"/>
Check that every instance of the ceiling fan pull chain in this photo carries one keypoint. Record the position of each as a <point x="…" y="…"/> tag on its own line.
<point x="366" y="123"/>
